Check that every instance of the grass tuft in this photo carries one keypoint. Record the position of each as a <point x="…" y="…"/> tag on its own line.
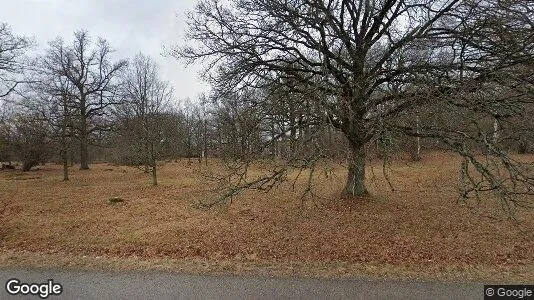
<point x="115" y="200"/>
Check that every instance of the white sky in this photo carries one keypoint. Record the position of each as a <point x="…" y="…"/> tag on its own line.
<point x="130" y="26"/>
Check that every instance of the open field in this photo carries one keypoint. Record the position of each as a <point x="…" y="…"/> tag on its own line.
<point x="420" y="230"/>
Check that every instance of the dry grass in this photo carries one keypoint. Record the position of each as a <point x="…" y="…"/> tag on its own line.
<point x="420" y="230"/>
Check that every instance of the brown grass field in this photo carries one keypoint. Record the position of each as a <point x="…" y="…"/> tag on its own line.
<point x="420" y="230"/>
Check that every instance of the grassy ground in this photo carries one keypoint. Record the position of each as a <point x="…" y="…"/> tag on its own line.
<point x="420" y="230"/>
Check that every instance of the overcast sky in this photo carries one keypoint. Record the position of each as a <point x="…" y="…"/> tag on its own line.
<point x="129" y="25"/>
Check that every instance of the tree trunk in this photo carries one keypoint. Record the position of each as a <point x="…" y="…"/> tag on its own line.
<point x="84" y="153"/>
<point x="72" y="158"/>
<point x="523" y="147"/>
<point x="273" y="136"/>
<point x="418" y="140"/>
<point x="148" y="158"/>
<point x="205" y="142"/>
<point x="154" y="175"/>
<point x="65" y="169"/>
<point x="65" y="158"/>
<point x="154" y="170"/>
<point x="153" y="163"/>
<point x="355" y="186"/>
<point x="496" y="129"/>
<point x="64" y="146"/>
<point x="292" y="134"/>
<point x="415" y="151"/>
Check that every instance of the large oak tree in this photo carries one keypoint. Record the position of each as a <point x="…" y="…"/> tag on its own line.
<point x="88" y="67"/>
<point x="372" y="63"/>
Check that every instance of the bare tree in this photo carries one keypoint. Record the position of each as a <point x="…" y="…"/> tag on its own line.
<point x="145" y="100"/>
<point x="89" y="70"/>
<point x="12" y="49"/>
<point x="369" y="62"/>
<point x="49" y="97"/>
<point x="6" y="134"/>
<point x="31" y="139"/>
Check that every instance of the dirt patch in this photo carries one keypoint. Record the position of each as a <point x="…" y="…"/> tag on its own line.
<point x="420" y="228"/>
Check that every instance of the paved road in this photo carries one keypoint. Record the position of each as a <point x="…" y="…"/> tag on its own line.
<point x="99" y="285"/>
